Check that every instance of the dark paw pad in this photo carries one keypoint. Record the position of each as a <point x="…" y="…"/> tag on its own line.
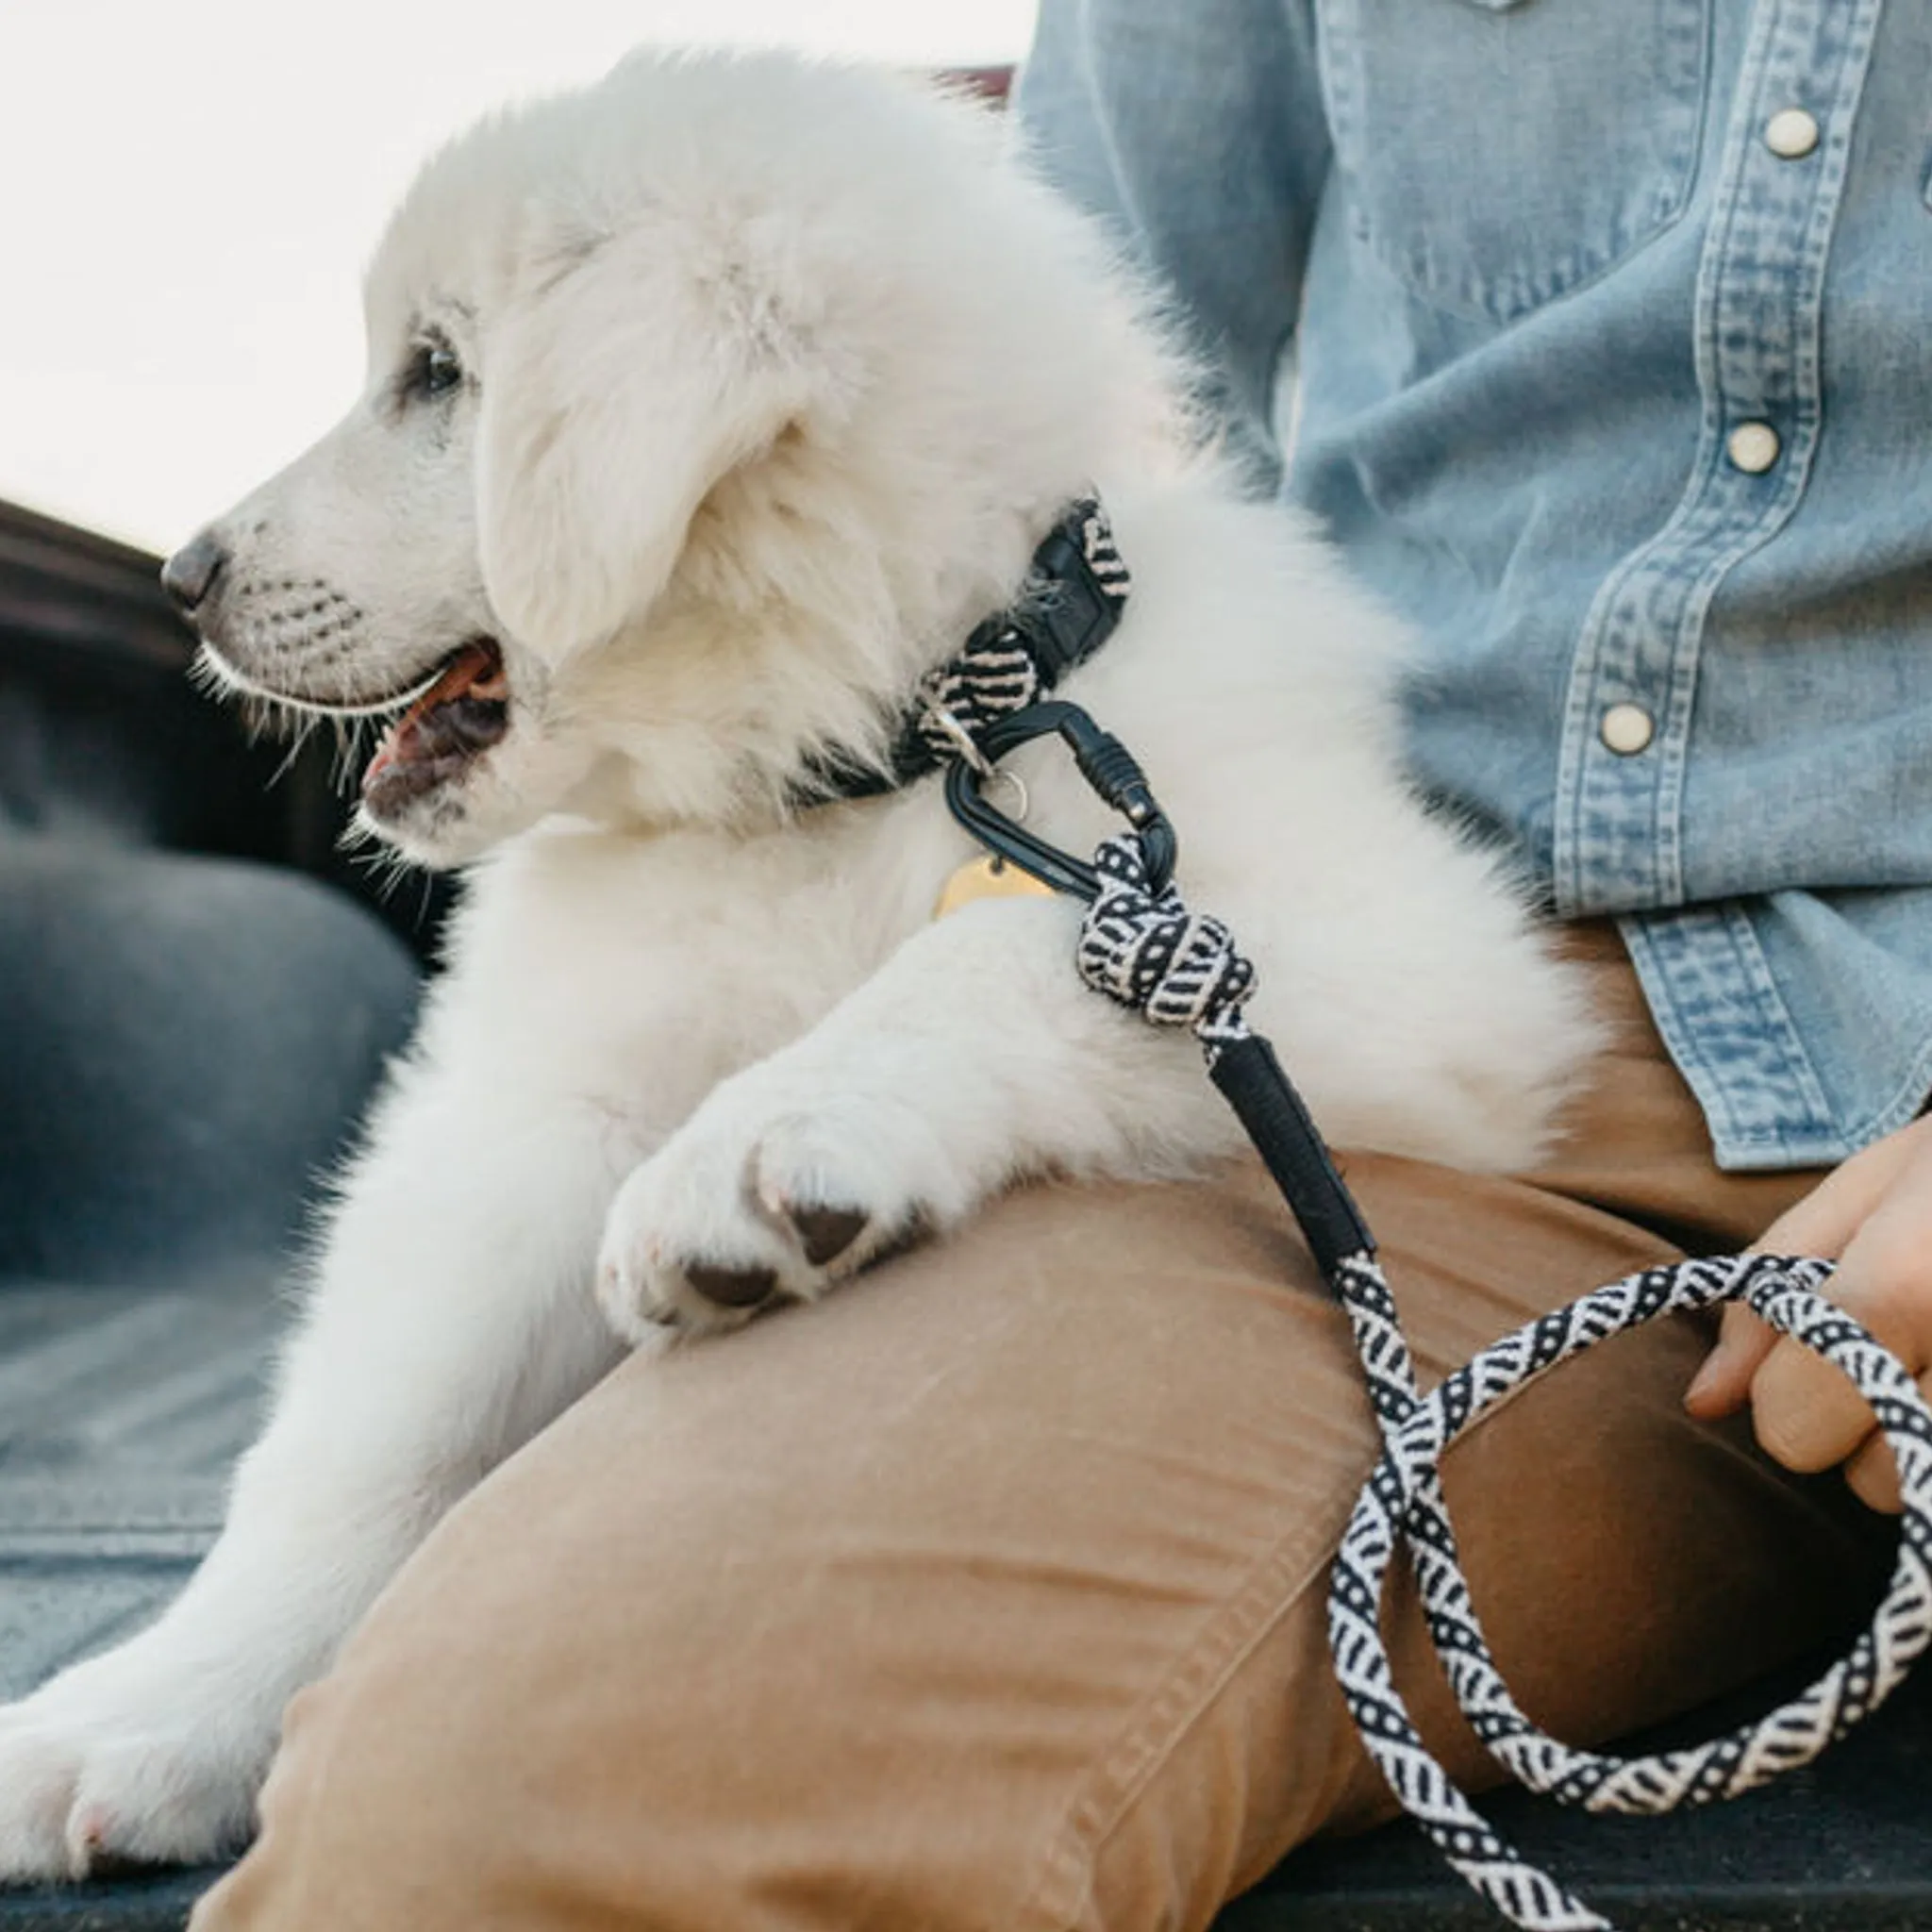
<point x="732" y="1288"/>
<point x="826" y="1233"/>
<point x="116" y="1867"/>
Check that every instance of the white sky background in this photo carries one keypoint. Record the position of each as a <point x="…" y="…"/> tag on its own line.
<point x="189" y="189"/>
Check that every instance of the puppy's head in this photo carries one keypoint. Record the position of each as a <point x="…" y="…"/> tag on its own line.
<point x="706" y="408"/>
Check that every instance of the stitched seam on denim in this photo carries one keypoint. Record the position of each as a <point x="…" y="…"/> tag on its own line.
<point x="1654" y="970"/>
<point x="1588" y="668"/>
<point x="1507" y="295"/>
<point x="1578" y="761"/>
<point x="1764" y="988"/>
<point x="1907" y="1102"/>
<point x="1666" y="953"/>
<point x="1620" y="831"/>
<point x="1746" y="382"/>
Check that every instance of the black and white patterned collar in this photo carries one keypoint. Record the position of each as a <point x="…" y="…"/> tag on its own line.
<point x="1067" y="606"/>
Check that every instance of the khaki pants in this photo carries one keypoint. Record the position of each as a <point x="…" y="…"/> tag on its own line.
<point x="989" y="1593"/>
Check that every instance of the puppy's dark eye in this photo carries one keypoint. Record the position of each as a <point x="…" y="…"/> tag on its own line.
<point x="433" y="371"/>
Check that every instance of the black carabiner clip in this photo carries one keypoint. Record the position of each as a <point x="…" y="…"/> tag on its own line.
<point x="1107" y="765"/>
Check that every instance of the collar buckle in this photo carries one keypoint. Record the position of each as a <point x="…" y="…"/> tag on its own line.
<point x="1066" y="610"/>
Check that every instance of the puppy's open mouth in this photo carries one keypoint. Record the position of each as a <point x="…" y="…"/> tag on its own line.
<point x="445" y="729"/>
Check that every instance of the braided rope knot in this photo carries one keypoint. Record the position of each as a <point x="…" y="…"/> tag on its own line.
<point x="1148" y="950"/>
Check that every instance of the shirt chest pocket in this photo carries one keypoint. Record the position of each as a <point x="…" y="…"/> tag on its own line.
<point x="1496" y="153"/>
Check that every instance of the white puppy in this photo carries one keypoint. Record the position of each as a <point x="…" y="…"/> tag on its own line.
<point x="708" y="410"/>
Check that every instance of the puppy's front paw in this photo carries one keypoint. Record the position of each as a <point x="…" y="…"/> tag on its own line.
<point x="87" y="1787"/>
<point x="744" y="1207"/>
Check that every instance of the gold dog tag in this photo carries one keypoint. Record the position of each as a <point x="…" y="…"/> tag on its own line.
<point x="987" y="877"/>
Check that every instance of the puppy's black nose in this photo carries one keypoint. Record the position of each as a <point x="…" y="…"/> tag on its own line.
<point x="189" y="575"/>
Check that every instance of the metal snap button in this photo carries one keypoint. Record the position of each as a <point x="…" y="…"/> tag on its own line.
<point x="1792" y="135"/>
<point x="1753" y="447"/>
<point x="1626" y="729"/>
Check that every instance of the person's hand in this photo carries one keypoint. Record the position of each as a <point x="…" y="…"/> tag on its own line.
<point x="1873" y="1217"/>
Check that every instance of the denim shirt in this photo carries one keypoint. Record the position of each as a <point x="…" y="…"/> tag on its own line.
<point x="1611" y="321"/>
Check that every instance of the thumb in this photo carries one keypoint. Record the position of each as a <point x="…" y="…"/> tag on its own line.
<point x="1721" y="1387"/>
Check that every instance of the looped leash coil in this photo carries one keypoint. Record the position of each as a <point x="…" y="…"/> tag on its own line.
<point x="1140" y="946"/>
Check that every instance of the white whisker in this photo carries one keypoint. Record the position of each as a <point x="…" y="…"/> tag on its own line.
<point x="299" y="737"/>
<point x="230" y="682"/>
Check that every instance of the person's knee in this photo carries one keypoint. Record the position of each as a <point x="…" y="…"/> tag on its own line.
<point x="871" y="1614"/>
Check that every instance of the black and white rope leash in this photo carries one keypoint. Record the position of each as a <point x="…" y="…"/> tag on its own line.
<point x="1140" y="946"/>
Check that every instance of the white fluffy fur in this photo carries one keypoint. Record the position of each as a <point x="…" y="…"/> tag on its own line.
<point x="774" y="375"/>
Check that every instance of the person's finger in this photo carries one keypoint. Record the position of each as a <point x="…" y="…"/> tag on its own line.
<point x="1723" y="1382"/>
<point x="1873" y="1216"/>
<point x="1823" y="1222"/>
<point x="1873" y="1474"/>
<point x="1806" y="1414"/>
<point x="1873" y="1470"/>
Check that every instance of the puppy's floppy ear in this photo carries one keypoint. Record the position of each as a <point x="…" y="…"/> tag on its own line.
<point x="617" y="390"/>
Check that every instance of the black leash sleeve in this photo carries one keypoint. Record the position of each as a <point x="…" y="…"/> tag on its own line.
<point x="1255" y="1084"/>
